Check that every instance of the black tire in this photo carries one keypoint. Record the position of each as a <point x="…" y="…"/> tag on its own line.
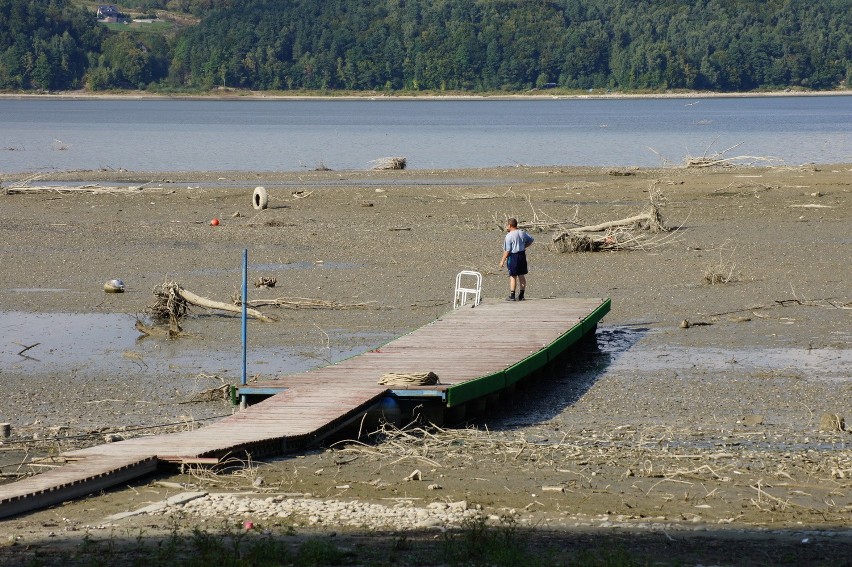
<point x="260" y="199"/>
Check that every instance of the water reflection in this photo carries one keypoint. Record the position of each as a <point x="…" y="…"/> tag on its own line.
<point x="86" y="344"/>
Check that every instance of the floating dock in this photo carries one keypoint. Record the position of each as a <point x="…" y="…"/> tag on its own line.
<point x="477" y="353"/>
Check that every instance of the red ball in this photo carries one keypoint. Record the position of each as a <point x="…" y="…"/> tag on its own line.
<point x="214" y="222"/>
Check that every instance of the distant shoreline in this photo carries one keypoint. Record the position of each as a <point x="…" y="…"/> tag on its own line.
<point x="543" y="95"/>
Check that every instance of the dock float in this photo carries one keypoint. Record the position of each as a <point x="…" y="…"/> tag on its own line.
<point x="476" y="352"/>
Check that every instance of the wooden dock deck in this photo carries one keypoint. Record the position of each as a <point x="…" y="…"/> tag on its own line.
<point x="476" y="352"/>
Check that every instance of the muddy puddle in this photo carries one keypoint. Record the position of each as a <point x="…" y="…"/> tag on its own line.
<point x="598" y="382"/>
<point x="94" y="343"/>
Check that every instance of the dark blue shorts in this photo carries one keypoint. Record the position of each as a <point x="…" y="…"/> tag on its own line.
<point x="517" y="264"/>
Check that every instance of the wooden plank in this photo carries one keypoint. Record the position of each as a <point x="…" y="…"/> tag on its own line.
<point x="71" y="481"/>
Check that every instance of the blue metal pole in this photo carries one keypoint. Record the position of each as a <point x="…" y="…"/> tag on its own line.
<point x="245" y="314"/>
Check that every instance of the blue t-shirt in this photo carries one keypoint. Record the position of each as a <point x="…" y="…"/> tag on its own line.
<point x="517" y="241"/>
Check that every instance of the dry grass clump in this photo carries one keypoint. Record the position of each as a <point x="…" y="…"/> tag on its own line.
<point x="230" y="471"/>
<point x="723" y="272"/>
<point x="438" y="447"/>
<point x="719" y="274"/>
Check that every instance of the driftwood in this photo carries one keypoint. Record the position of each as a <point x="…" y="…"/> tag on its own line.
<point x="94" y="189"/>
<point x="623" y="234"/>
<point x="569" y="241"/>
<point x="389" y="163"/>
<point x="210" y="304"/>
<point x="211" y="395"/>
<point x="648" y="220"/>
<point x="173" y="303"/>
<point x="629" y="233"/>
<point x="718" y="159"/>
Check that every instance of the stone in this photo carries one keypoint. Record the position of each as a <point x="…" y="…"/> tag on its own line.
<point x="752" y="420"/>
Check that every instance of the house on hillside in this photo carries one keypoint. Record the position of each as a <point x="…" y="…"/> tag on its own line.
<point x="108" y="13"/>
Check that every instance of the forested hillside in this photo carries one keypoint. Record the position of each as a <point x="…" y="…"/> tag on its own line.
<point x="435" y="45"/>
<point x="725" y="45"/>
<point x="45" y="45"/>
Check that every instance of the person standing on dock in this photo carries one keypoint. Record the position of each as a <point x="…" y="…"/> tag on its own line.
<point x="515" y="258"/>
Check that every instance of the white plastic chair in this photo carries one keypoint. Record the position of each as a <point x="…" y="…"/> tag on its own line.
<point x="464" y="293"/>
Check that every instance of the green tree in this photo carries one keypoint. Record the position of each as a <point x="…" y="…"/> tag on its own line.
<point x="45" y="45"/>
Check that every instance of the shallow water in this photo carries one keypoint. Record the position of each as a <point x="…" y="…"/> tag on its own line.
<point x="96" y="343"/>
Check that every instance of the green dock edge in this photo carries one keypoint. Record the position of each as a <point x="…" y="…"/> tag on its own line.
<point x="484" y="385"/>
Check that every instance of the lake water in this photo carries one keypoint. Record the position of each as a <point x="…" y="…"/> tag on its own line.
<point x="41" y="135"/>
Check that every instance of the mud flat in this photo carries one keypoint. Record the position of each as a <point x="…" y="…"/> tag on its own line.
<point x="695" y="422"/>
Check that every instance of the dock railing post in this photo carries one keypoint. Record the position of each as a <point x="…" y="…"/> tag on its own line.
<point x="243" y="378"/>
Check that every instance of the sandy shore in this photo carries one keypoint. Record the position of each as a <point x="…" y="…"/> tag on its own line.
<point x="661" y="425"/>
<point x="236" y="94"/>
